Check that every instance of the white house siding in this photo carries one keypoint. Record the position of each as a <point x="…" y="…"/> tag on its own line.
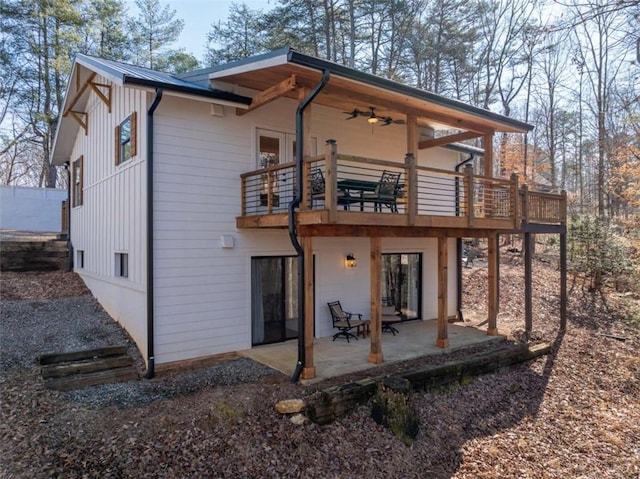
<point x="112" y="217"/>
<point x="202" y="291"/>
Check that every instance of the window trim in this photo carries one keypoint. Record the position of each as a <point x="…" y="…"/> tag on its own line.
<point x="77" y="181"/>
<point x="132" y="139"/>
<point x="80" y="258"/>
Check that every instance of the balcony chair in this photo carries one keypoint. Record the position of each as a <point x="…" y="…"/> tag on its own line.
<point x="386" y="193"/>
<point x="342" y="320"/>
<point x="317" y="183"/>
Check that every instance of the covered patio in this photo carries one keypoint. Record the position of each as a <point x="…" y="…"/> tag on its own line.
<point x="336" y="358"/>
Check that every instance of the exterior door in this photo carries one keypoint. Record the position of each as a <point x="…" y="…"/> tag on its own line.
<point x="274" y="299"/>
<point x="402" y="282"/>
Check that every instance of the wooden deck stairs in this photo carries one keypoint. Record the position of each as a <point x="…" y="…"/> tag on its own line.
<point x="79" y="369"/>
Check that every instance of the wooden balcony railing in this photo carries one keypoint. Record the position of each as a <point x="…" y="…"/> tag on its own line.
<point x="424" y="196"/>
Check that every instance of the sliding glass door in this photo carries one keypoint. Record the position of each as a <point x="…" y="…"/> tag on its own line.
<point x="274" y="303"/>
<point x="402" y="282"/>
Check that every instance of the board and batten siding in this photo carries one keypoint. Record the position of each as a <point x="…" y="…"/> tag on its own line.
<point x="112" y="217"/>
<point x="203" y="291"/>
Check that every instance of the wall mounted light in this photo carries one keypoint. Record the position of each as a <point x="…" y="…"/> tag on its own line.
<point x="350" y="261"/>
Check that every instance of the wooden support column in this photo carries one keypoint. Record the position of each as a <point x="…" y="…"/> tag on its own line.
<point x="443" y="294"/>
<point x="493" y="295"/>
<point x="563" y="281"/>
<point x="528" y="303"/>
<point x="309" y="370"/>
<point x="375" y="356"/>
<point x="488" y="155"/>
<point x="412" y="175"/>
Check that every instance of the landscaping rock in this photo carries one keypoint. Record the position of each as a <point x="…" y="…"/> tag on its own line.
<point x="290" y="406"/>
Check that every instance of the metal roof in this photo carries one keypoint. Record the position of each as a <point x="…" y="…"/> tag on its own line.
<point x="124" y="73"/>
<point x="289" y="55"/>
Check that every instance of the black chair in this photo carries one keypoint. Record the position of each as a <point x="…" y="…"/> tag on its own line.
<point x="390" y="316"/>
<point x="342" y="320"/>
<point x="318" y="185"/>
<point x="386" y="192"/>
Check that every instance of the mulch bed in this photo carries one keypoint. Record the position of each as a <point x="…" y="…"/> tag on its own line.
<point x="574" y="413"/>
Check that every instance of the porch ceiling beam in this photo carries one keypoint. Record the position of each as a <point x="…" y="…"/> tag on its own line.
<point x="405" y="106"/>
<point x="364" y="231"/>
<point x="446" y="140"/>
<point x="272" y="93"/>
<point x="80" y="92"/>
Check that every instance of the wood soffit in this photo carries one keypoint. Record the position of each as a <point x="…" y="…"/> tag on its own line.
<point x="345" y="95"/>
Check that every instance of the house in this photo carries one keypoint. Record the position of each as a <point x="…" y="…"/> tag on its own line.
<point x="215" y="211"/>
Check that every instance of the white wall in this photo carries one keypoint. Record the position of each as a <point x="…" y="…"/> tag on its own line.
<point x="31" y="209"/>
<point x="112" y="217"/>
<point x="203" y="291"/>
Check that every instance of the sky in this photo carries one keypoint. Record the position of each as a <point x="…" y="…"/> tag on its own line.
<point x="199" y="15"/>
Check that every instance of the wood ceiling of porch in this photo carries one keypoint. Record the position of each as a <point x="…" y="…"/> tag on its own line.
<point x="345" y="95"/>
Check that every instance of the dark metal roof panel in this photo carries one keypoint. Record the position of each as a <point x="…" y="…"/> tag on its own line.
<point x="131" y="74"/>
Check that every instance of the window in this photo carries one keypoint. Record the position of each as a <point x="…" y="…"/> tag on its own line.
<point x="122" y="265"/>
<point x="77" y="181"/>
<point x="80" y="258"/>
<point x="126" y="139"/>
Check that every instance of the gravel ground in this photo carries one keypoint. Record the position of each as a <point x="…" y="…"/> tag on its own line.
<point x="575" y="413"/>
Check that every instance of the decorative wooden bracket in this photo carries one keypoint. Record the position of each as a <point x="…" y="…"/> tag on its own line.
<point x="105" y="98"/>
<point x="82" y="118"/>
<point x="272" y="93"/>
<point x="446" y="140"/>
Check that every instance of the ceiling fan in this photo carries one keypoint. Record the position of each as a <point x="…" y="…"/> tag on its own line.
<point x="372" y="117"/>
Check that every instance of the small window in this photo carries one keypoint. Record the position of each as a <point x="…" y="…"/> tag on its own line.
<point x="80" y="258"/>
<point x="126" y="139"/>
<point x="77" y="181"/>
<point x="122" y="265"/>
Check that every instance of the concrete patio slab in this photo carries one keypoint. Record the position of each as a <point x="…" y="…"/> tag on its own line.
<point x="336" y="358"/>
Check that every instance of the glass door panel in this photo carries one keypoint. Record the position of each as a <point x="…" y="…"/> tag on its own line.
<point x="402" y="282"/>
<point x="274" y="303"/>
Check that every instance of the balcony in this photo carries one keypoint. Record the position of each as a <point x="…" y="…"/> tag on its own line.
<point x="342" y="189"/>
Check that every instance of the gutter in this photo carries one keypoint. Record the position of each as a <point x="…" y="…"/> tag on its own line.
<point x="150" y="291"/>
<point x="67" y="166"/>
<point x="459" y="242"/>
<point x="295" y="203"/>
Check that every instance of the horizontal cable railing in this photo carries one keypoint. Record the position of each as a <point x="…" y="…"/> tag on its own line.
<point x="336" y="182"/>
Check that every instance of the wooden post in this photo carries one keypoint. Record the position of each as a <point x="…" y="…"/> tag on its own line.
<point x="309" y="370"/>
<point x="375" y="356"/>
<point x="525" y="203"/>
<point x="528" y="303"/>
<point x="303" y="92"/>
<point x="563" y="281"/>
<point x="515" y="202"/>
<point x="493" y="280"/>
<point x="331" y="181"/>
<point x="269" y="191"/>
<point x="488" y="201"/>
<point x="412" y="174"/>
<point x="443" y="294"/>
<point x="469" y="193"/>
<point x="563" y="207"/>
<point x="412" y="187"/>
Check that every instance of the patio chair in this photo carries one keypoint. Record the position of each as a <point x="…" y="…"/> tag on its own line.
<point x="390" y="316"/>
<point x="342" y="320"/>
<point x="317" y="183"/>
<point x="386" y="192"/>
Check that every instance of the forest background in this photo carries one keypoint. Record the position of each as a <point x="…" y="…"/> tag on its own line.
<point x="570" y="68"/>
